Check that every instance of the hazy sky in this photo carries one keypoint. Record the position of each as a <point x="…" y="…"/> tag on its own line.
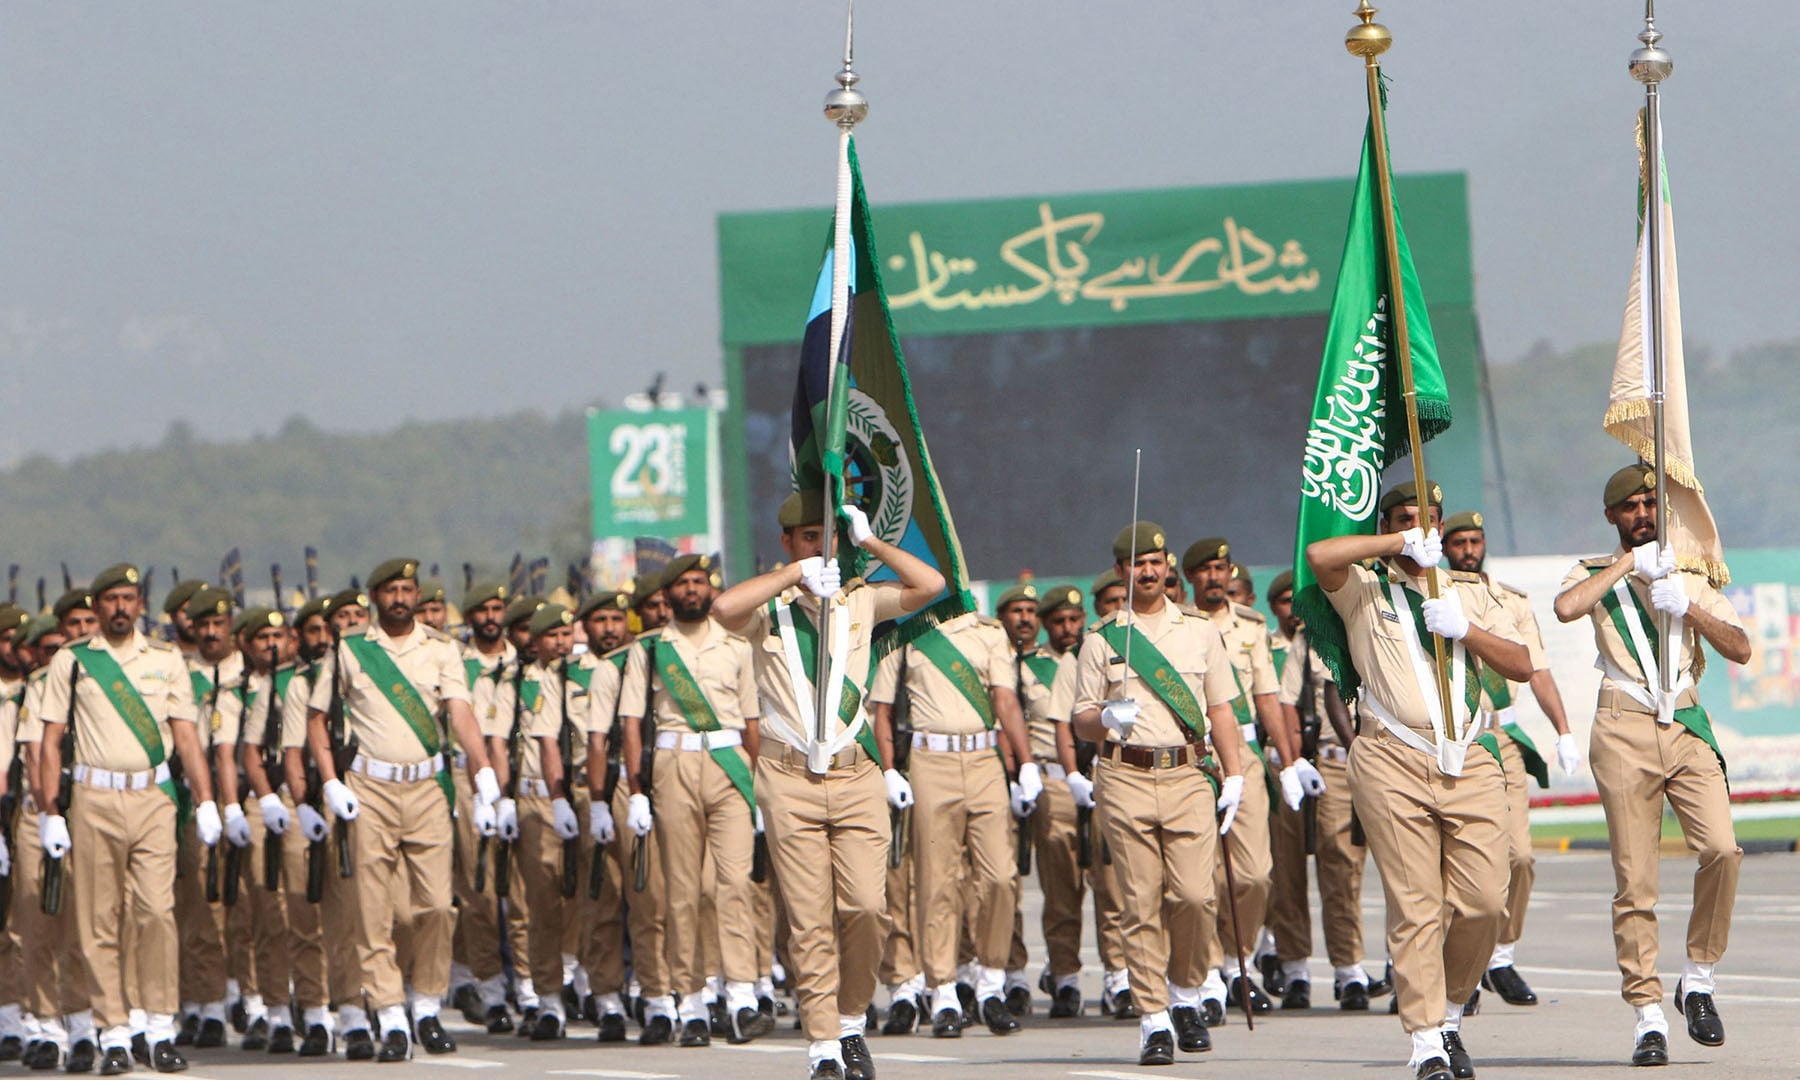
<point x="381" y="210"/>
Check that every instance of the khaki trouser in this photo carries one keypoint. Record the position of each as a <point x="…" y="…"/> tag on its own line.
<point x="602" y="946"/>
<point x="828" y="839"/>
<point x="1636" y="763"/>
<point x="272" y="945"/>
<point x="538" y="857"/>
<point x="1251" y="870"/>
<point x="337" y="924"/>
<point x="961" y="809"/>
<point x="1059" y="875"/>
<point x="644" y="915"/>
<point x="476" y="940"/>
<point x="201" y="924"/>
<point x="239" y="921"/>
<point x="123" y="869"/>
<point x="762" y="915"/>
<point x="305" y="940"/>
<point x="1339" y="869"/>
<point x="1440" y="846"/>
<point x="401" y="839"/>
<point x="54" y="982"/>
<point x="1164" y="839"/>
<point x="1109" y="916"/>
<point x="1521" y="865"/>
<point x="699" y="812"/>
<point x="899" y="951"/>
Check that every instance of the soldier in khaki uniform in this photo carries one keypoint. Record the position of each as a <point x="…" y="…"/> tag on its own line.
<point x="129" y="698"/>
<point x="823" y="803"/>
<point x="1648" y="745"/>
<point x="1108" y="592"/>
<point x="393" y="677"/>
<point x="13" y="1012"/>
<point x="1431" y="800"/>
<point x="603" y="618"/>
<point x="1465" y="549"/>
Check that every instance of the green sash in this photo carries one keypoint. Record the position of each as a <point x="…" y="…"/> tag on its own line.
<point x="129" y="704"/>
<point x="806" y="638"/>
<point x="1043" y="667"/>
<point x="953" y="665"/>
<point x="405" y="699"/>
<point x="682" y="686"/>
<point x="531" y="694"/>
<point x="1149" y="664"/>
<point x="1692" y="717"/>
<point x="1499" y="695"/>
<point x="581" y="676"/>
<point x="1280" y="657"/>
<point x="202" y="684"/>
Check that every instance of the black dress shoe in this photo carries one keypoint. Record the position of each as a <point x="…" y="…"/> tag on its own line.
<point x="1383" y="985"/>
<point x="998" y="1017"/>
<point x="965" y="996"/>
<point x="947" y="1023"/>
<point x="696" y="1033"/>
<point x="1212" y="1010"/>
<point x="466" y="999"/>
<point x="256" y="1036"/>
<point x="1652" y="1049"/>
<point x="115" y="1062"/>
<point x="211" y="1034"/>
<point x="902" y="1017"/>
<point x="1066" y="1003"/>
<point x="43" y="1055"/>
<point x="827" y="1069"/>
<point x="751" y="1023"/>
<point x="1018" y="1002"/>
<point x="12" y="1048"/>
<point x="1509" y="984"/>
<point x="317" y="1042"/>
<point x="571" y="1001"/>
<point x="435" y="1039"/>
<point x="498" y="1020"/>
<point x="549" y="1028"/>
<point x="718" y="1018"/>
<point x="240" y="1017"/>
<point x="1124" y="1006"/>
<point x="612" y="1027"/>
<point x="1433" y="1069"/>
<point x="1461" y="1066"/>
<point x="1298" y="995"/>
<point x="590" y="1009"/>
<point x="140" y="1049"/>
<point x="1259" y="1001"/>
<point x="81" y="1057"/>
<point x="657" y="1031"/>
<point x="165" y="1058"/>
<point x="858" y="1064"/>
<point x="395" y="1046"/>
<point x="1703" y="1023"/>
<point x="1473" y="1005"/>
<point x="527" y="1021"/>
<point x="281" y="1040"/>
<point x="359" y="1045"/>
<point x="1353" y="997"/>
<point x="1159" y="1049"/>
<point x="190" y="1026"/>
<point x="1190" y="1031"/>
<point x="1274" y="980"/>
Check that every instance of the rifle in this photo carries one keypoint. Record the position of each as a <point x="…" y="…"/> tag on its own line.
<point x="343" y="751"/>
<point x="312" y="572"/>
<point x="503" y="854"/>
<point x="234" y="855"/>
<point x="271" y="759"/>
<point x="315" y="798"/>
<point x="1085" y="753"/>
<point x="9" y="812"/>
<point x="482" y="843"/>
<point x="211" y="871"/>
<point x="565" y="744"/>
<point x="900" y="729"/>
<point x="1023" y="846"/>
<point x="50" y="898"/>
<point x="1309" y="748"/>
<point x="12" y="583"/>
<point x="609" y="787"/>
<point x="640" y="851"/>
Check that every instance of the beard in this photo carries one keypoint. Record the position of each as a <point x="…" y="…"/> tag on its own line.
<point x="691" y="609"/>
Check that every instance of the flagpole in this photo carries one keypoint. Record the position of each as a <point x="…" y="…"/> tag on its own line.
<point x="1650" y="65"/>
<point x="844" y="107"/>
<point x="1369" y="40"/>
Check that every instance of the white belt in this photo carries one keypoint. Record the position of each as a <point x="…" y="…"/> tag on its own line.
<point x="1449" y="756"/>
<point x="534" y="787"/>
<point x="699" y="740"/>
<point x="120" y="781"/>
<point x="1052" y="771"/>
<point x="1249" y="731"/>
<point x="376" y="769"/>
<point x="461" y="761"/>
<point x="943" y="744"/>
<point x="1333" y="753"/>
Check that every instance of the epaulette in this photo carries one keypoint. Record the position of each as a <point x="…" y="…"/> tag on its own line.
<point x="988" y="620"/>
<point x="432" y="633"/>
<point x="1189" y="609"/>
<point x="1245" y="611"/>
<point x="1467" y="577"/>
<point x="1503" y="586"/>
<point x="1598" y="561"/>
<point x="38" y="674"/>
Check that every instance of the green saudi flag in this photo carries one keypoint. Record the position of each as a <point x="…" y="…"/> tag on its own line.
<point x="1358" y="425"/>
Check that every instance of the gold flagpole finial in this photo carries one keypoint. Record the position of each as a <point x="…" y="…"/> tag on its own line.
<point x="1368" y="39"/>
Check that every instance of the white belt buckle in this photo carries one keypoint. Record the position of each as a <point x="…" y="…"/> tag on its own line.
<point x="1451" y="756"/>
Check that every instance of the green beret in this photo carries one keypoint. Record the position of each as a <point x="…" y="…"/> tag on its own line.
<point x="549" y="617"/>
<point x="1464" y="521"/>
<point x="643" y="587"/>
<point x="181" y="594"/>
<point x="611" y="600"/>
<point x="1106" y="580"/>
<point x="1021" y="591"/>
<point x="36" y="629"/>
<point x="802" y="508"/>
<point x="347" y="598"/>
<point x="481" y="592"/>
<point x="1213" y="547"/>
<point x="1284" y="582"/>
<point x="1631" y="480"/>
<point x="1139" y="539"/>
<point x="114" y="576"/>
<point x="12" y="617"/>
<point x="314" y="607"/>
<point x="393" y="570"/>
<point x="681" y="564"/>
<point x="257" y="618"/>
<point x="520" y="609"/>
<point x="208" y="600"/>
<point x="69" y="601"/>
<point x="1407" y="494"/>
<point x="1054" y="600"/>
<point x="431" y="590"/>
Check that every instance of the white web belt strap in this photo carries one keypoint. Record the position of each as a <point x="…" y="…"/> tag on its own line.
<point x="1648" y="693"/>
<point x="818" y="754"/>
<point x="1450" y="754"/>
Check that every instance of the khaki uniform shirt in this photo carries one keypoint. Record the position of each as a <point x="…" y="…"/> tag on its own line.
<point x="865" y="605"/>
<point x="1378" y="639"/>
<point x="1247" y="639"/>
<point x="12" y="693"/>
<point x="603" y="689"/>
<point x="1293" y="680"/>
<point x="540" y="714"/>
<point x="429" y="660"/>
<point x="1190" y="641"/>
<point x="256" y="708"/>
<point x="211" y="709"/>
<point x="1046" y="706"/>
<point x="31" y="708"/>
<point x="101" y="738"/>
<point x="719" y="662"/>
<point x="938" y="707"/>
<point x="1615" y="656"/>
<point x="295" y="703"/>
<point x="491" y="672"/>
<point x="1521" y="625"/>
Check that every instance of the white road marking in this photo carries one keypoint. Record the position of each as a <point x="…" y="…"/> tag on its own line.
<point x="615" y="1074"/>
<point x="460" y="1062"/>
<point x="923" y="1059"/>
<point x="761" y="1048"/>
<point x="1104" y="1075"/>
<point x="1728" y="1001"/>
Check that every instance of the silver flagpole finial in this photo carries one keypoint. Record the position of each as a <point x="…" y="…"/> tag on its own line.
<point x="1650" y="64"/>
<point x="846" y="105"/>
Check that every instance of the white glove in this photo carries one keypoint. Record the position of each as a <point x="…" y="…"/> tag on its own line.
<point x="1652" y="561"/>
<point x="487" y="789"/>
<point x="1567" y="755"/>
<point x="1119" y="717"/>
<point x="900" y="795"/>
<point x="486" y="820"/>
<point x="1021" y="806"/>
<point x="274" y="813"/>
<point x="1292" y="790"/>
<point x="237" y="826"/>
<point x="506" y="819"/>
<point x="206" y="822"/>
<point x="312" y="823"/>
<point x="53" y="834"/>
<point x="1031" y="781"/>
<point x="860" y="533"/>
<point x="637" y="815"/>
<point x="1082" y="789"/>
<point x="5" y="858"/>
<point x="563" y="820"/>
<point x="756" y="821"/>
<point x="820" y="578"/>
<point x="342" y="802"/>
<point x="600" y="823"/>
<point x="1444" y="617"/>
<point x="1309" y="777"/>
<point x="1424" y="548"/>
<point x="1231" y="793"/>
<point x="1667" y="595"/>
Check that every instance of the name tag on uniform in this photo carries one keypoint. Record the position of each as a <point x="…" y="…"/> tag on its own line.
<point x="1116" y="660"/>
<point x="1390" y="616"/>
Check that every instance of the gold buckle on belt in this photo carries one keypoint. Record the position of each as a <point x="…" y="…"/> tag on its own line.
<point x="1165" y="759"/>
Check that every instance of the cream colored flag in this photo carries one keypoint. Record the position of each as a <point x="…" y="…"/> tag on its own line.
<point x="1628" y="417"/>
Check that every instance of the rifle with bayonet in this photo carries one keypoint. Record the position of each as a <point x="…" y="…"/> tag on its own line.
<point x="900" y="729"/>
<point x="51" y="896"/>
<point x="271" y="761"/>
<point x="343" y="749"/>
<point x="565" y="745"/>
<point x="503" y="853"/>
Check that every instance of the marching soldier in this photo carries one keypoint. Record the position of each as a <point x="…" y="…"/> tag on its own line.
<point x="13" y="1011"/>
<point x="1465" y="549"/>
<point x="175" y="609"/>
<point x="1108" y="593"/>
<point x="1649" y="744"/>
<point x="127" y="699"/>
<point x="392" y="677"/>
<point x="603" y="618"/>
<point x="1152" y="711"/>
<point x="1017" y="611"/>
<point x="1432" y="805"/>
